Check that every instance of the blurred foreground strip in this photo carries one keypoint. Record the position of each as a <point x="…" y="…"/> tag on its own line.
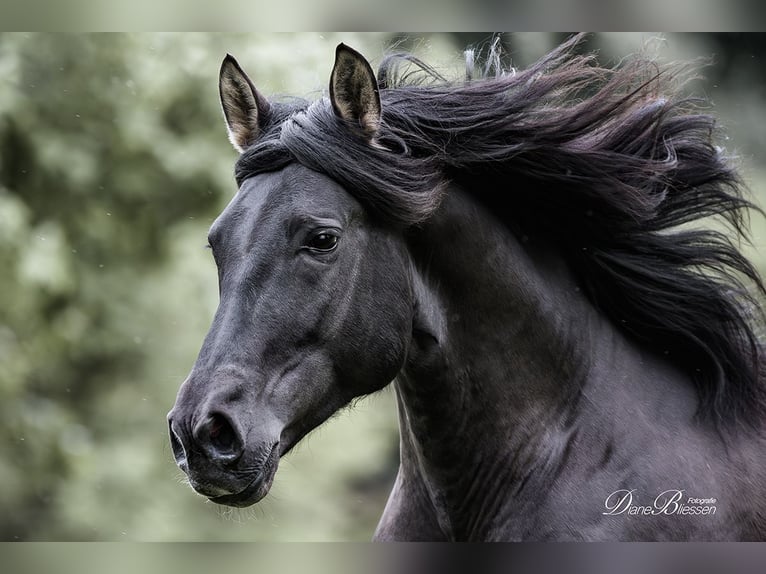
<point x="405" y="558"/>
<point x="368" y="15"/>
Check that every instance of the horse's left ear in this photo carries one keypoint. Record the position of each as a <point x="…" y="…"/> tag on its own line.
<point x="354" y="91"/>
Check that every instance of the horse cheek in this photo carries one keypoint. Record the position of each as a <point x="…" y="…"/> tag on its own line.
<point x="374" y="358"/>
<point x="379" y="337"/>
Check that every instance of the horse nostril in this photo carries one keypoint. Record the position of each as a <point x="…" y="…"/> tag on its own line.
<point x="218" y="438"/>
<point x="221" y="434"/>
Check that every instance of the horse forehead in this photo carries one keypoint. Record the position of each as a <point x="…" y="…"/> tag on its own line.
<point x="271" y="194"/>
<point x="294" y="186"/>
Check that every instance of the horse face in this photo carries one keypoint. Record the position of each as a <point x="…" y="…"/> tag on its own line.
<point x="315" y="309"/>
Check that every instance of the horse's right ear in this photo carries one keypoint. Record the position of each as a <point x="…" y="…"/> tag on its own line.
<point x="243" y="107"/>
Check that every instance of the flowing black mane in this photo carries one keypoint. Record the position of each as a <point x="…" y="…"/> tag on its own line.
<point x="609" y="164"/>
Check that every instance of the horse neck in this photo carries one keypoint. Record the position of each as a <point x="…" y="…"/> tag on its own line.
<point x="505" y="346"/>
<point x="509" y="329"/>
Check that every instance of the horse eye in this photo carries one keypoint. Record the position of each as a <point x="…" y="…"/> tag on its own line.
<point x="323" y="241"/>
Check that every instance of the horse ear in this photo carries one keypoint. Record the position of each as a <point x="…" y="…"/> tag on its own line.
<point x="243" y="107"/>
<point x="354" y="91"/>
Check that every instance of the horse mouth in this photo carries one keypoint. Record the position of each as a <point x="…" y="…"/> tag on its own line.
<point x="257" y="488"/>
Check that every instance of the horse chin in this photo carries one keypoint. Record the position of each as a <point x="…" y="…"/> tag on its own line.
<point x="258" y="487"/>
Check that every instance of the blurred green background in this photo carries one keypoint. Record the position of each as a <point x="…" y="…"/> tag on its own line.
<point x="113" y="162"/>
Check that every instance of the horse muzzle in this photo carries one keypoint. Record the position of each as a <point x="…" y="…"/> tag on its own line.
<point x="259" y="485"/>
<point x="220" y="461"/>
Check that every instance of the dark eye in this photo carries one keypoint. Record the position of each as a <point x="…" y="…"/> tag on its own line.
<point x="323" y="241"/>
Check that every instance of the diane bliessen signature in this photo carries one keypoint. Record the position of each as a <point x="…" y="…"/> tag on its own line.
<point x="668" y="502"/>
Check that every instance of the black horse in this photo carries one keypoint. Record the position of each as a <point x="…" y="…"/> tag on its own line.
<point x="522" y="252"/>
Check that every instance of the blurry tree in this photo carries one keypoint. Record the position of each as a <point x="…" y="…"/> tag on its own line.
<point x="86" y="197"/>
